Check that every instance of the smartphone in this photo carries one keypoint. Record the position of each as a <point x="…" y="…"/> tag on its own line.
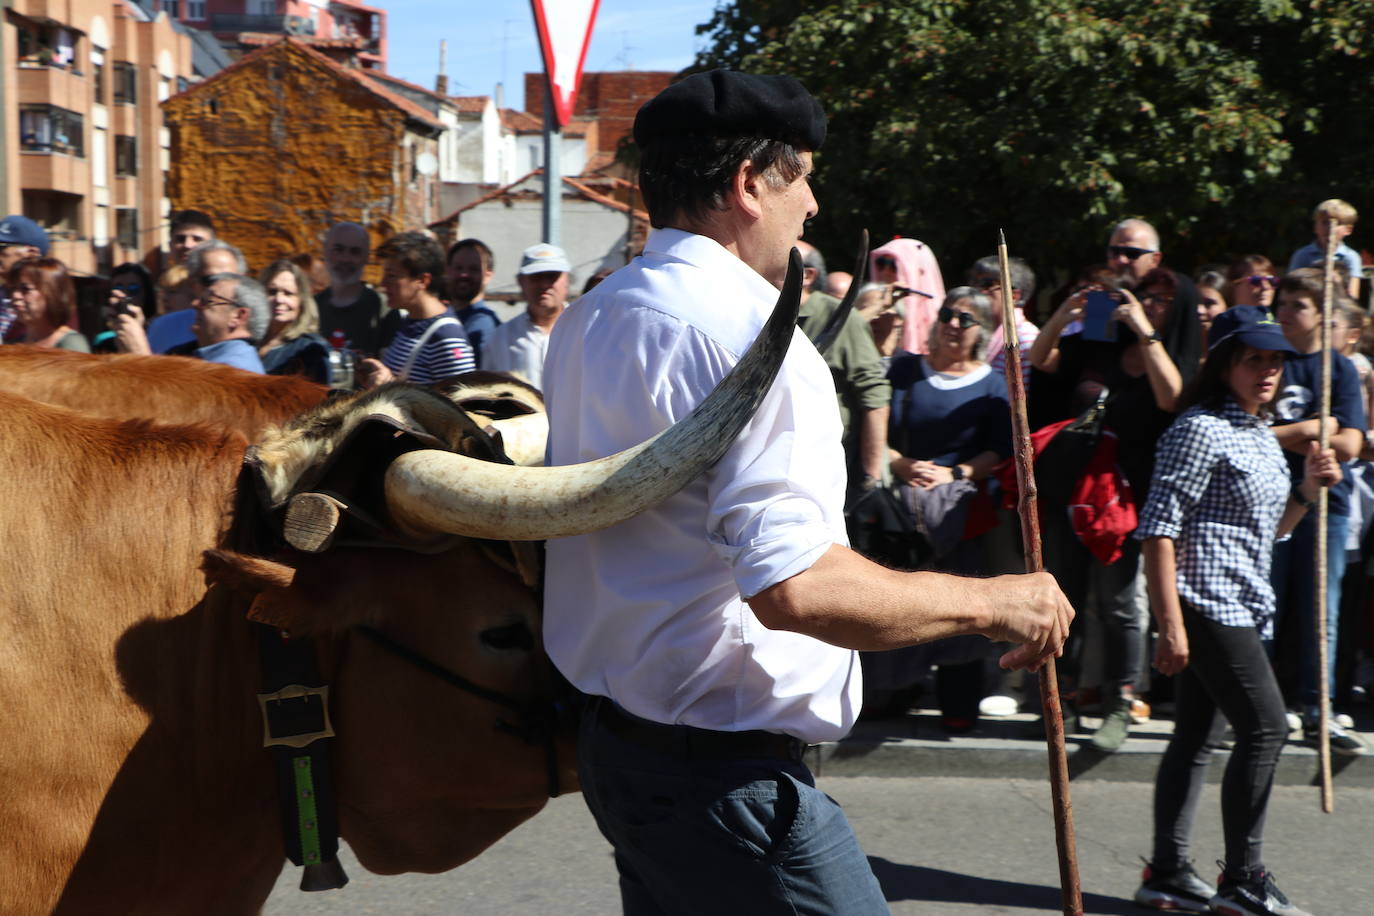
<point x="1098" y="323"/>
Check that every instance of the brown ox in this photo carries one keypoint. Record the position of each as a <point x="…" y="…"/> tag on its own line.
<point x="134" y="780"/>
<point x="170" y="389"/>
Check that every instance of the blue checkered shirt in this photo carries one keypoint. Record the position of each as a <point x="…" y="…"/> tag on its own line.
<point x="1219" y="489"/>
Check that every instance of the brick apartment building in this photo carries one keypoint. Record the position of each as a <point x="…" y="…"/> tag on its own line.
<point x="85" y="152"/>
<point x="345" y="30"/>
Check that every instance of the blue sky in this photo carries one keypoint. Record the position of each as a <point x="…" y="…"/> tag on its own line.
<point x="494" y="41"/>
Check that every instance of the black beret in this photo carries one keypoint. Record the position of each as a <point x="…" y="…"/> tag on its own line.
<point x="728" y="103"/>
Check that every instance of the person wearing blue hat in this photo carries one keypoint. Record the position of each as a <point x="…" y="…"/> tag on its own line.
<point x="1219" y="498"/>
<point x="20" y="238"/>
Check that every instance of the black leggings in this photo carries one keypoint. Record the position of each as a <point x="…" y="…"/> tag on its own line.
<point x="1228" y="674"/>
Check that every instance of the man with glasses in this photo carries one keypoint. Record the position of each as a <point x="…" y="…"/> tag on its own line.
<point x="1133" y="251"/>
<point x="231" y="315"/>
<point x="173" y="332"/>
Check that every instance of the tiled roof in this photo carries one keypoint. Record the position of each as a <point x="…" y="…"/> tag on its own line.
<point x="522" y="122"/>
<point x="581" y="188"/>
<point x="359" y="77"/>
<point x="472" y="103"/>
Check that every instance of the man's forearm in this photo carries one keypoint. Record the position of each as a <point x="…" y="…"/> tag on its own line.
<point x="849" y="601"/>
<point x="873" y="441"/>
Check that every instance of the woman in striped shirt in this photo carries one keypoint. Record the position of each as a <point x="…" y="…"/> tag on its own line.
<point x="430" y="344"/>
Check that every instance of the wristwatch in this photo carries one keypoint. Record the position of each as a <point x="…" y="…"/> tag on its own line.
<point x="957" y="471"/>
<point x="1303" y="501"/>
<point x="1155" y="337"/>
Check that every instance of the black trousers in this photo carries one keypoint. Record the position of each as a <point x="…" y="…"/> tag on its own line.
<point x="1228" y="674"/>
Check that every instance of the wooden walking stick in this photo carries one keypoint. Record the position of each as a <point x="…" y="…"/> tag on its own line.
<point x="1030" y="539"/>
<point x="1319" y="561"/>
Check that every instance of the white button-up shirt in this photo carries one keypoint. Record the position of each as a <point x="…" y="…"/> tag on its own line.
<point x="649" y="612"/>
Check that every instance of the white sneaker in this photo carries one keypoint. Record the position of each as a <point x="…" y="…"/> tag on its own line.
<point x="1294" y="721"/>
<point x="1343" y="720"/>
<point x="997" y="706"/>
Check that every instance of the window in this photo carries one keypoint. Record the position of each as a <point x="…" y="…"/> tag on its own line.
<point x="49" y="129"/>
<point x="98" y="78"/>
<point x="172" y="8"/>
<point x="195" y="9"/>
<point x="126" y="156"/>
<point x="125" y="82"/>
<point x="57" y="212"/>
<point x="126" y="226"/>
<point x="44" y="44"/>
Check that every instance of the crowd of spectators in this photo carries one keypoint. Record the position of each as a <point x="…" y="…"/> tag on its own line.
<point x="309" y="314"/>
<point x="920" y="379"/>
<point x="1113" y="363"/>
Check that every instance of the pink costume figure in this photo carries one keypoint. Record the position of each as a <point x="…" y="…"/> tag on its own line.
<point x="915" y="269"/>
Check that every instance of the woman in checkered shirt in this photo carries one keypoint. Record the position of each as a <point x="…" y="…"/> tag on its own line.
<point x="1219" y="497"/>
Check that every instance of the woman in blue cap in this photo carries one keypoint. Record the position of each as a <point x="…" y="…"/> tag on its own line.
<point x="1219" y="497"/>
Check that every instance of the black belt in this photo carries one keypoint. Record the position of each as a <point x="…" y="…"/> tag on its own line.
<point x="693" y="743"/>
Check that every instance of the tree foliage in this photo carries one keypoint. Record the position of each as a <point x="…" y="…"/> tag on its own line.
<point x="1222" y="122"/>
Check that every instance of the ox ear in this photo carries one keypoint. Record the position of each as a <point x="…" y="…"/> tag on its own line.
<point x="267" y="580"/>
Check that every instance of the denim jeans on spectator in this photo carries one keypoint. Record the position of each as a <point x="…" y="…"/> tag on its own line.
<point x="721" y="836"/>
<point x="1294" y="590"/>
<point x="1229" y="675"/>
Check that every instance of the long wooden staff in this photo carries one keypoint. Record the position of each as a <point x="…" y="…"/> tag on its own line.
<point x="1030" y="538"/>
<point x="1319" y="561"/>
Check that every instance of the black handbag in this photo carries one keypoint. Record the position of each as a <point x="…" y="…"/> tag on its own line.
<point x="882" y="529"/>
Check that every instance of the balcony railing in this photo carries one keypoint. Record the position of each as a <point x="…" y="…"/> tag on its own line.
<point x="289" y="25"/>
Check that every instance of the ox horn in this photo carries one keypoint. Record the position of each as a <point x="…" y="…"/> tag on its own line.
<point x="436" y="491"/>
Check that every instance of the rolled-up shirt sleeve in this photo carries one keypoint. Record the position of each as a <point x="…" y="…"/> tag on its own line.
<point x="1183" y="466"/>
<point x="775" y="498"/>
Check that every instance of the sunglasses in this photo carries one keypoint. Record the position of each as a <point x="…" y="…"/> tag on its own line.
<point x="1128" y="252"/>
<point x="946" y="315"/>
<point x="128" y="289"/>
<point x="884" y="262"/>
<point x="1263" y="281"/>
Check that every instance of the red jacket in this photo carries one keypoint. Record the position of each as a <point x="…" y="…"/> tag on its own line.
<point x="1101" y="506"/>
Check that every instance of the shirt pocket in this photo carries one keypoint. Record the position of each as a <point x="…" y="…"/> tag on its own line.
<point x="1250" y="483"/>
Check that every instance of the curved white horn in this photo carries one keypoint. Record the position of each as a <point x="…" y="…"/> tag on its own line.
<point x="436" y="491"/>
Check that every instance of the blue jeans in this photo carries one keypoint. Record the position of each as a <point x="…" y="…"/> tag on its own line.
<point x="1294" y="590"/>
<point x="699" y="836"/>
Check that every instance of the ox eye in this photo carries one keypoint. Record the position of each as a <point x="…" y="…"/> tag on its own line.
<point x="511" y="636"/>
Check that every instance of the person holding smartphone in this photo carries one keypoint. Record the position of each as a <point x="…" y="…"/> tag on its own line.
<point x="1137" y="351"/>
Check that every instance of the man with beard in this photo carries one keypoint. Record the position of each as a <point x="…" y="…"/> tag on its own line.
<point x="1152" y="349"/>
<point x="519" y="345"/>
<point x="469" y="270"/>
<point x="350" y="306"/>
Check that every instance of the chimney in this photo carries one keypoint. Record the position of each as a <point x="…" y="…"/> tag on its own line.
<point x="441" y="81"/>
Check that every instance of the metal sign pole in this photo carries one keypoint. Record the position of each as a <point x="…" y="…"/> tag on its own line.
<point x="553" y="177"/>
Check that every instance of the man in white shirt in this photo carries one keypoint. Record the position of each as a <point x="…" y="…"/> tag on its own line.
<point x="716" y="632"/>
<point x="519" y="345"/>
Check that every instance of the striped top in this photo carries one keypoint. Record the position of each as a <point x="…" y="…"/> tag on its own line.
<point x="446" y="353"/>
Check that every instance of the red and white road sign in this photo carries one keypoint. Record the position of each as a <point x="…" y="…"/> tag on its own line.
<point x="565" y="32"/>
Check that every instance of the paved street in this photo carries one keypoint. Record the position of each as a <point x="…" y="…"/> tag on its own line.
<point x="938" y="845"/>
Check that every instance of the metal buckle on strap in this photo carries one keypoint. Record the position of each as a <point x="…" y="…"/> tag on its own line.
<point x="295" y="716"/>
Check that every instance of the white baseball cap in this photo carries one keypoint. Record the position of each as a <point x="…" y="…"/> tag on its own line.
<point x="541" y="258"/>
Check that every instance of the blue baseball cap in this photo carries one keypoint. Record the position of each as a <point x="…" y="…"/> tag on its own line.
<point x="20" y="230"/>
<point x="1254" y="326"/>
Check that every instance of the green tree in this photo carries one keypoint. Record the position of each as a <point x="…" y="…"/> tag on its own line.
<point x="1222" y="123"/>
